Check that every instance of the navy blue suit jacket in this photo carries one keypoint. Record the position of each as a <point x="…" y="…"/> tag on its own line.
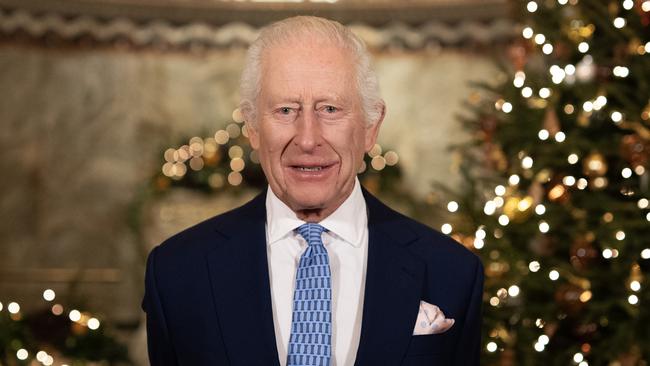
<point x="208" y="298"/>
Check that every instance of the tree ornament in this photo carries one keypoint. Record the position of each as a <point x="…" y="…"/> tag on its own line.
<point x="496" y="158"/>
<point x="583" y="119"/>
<point x="582" y="253"/>
<point x="594" y="165"/>
<point x="645" y="114"/>
<point x="567" y="297"/>
<point x="518" y="54"/>
<point x="518" y="209"/>
<point x="542" y="245"/>
<point x="635" y="150"/>
<point x="558" y="192"/>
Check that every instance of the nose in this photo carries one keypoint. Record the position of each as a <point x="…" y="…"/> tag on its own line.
<point x="308" y="132"/>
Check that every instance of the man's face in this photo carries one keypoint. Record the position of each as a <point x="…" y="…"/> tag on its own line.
<point x="310" y="132"/>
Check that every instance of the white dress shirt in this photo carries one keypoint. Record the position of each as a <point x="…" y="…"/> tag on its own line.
<point x="347" y="246"/>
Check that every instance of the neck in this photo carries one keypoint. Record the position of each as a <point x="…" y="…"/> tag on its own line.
<point x="314" y="215"/>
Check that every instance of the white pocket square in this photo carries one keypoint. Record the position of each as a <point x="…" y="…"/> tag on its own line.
<point x="431" y="320"/>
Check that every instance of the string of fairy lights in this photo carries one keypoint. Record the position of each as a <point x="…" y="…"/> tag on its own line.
<point x="78" y="318"/>
<point x="507" y="205"/>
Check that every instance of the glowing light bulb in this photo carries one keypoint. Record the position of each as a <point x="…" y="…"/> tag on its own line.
<point x="633" y="299"/>
<point x="527" y="162"/>
<point x="504" y="220"/>
<point x="645" y="253"/>
<point x="491" y="347"/>
<point x="93" y="323"/>
<point x="583" y="47"/>
<point x="543" y="134"/>
<point x="13" y="307"/>
<point x="620" y="235"/>
<point x="527" y="32"/>
<point x="569" y="181"/>
<point x="619" y="22"/>
<point x="626" y="172"/>
<point x="578" y="357"/>
<point x="645" y="6"/>
<point x="621" y="71"/>
<point x="489" y="208"/>
<point x="547" y="49"/>
<point x="500" y="190"/>
<point x="543" y="226"/>
<point x="49" y="295"/>
<point x="513" y="180"/>
<point x="513" y="290"/>
<point x="22" y="354"/>
<point x="643" y="203"/>
<point x="544" y="93"/>
<point x="572" y="159"/>
<point x="75" y="315"/>
<point x="543" y="339"/>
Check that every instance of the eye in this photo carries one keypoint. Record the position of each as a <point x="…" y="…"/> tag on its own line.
<point x="285" y="110"/>
<point x="331" y="109"/>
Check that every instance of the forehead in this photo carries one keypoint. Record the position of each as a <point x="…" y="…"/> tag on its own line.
<point x="310" y="63"/>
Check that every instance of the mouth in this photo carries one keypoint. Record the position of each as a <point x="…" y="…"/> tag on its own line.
<point x="311" y="170"/>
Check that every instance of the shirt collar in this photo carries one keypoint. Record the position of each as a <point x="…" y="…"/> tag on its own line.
<point x="347" y="222"/>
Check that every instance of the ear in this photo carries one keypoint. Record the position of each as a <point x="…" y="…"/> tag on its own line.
<point x="253" y="135"/>
<point x="372" y="130"/>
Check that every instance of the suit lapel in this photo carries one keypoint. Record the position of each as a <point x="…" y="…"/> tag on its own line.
<point x="394" y="282"/>
<point x="239" y="277"/>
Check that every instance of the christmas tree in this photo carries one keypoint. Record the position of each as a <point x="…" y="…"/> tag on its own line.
<point x="556" y="193"/>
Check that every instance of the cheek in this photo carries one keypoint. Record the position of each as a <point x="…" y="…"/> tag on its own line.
<point x="272" y="143"/>
<point x="348" y="143"/>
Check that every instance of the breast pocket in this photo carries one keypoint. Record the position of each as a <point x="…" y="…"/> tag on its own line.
<point x="430" y="344"/>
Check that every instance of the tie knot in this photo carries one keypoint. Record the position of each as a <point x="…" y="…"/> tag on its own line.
<point x="311" y="232"/>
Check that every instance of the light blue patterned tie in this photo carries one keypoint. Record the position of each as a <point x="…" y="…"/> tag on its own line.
<point x="311" y="326"/>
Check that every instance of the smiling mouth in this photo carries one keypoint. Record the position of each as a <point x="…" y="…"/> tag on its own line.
<point x="311" y="168"/>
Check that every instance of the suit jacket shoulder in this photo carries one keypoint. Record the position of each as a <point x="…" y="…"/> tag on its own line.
<point x="201" y="238"/>
<point x="424" y="241"/>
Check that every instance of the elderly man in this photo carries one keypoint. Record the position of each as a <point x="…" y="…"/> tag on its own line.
<point x="315" y="270"/>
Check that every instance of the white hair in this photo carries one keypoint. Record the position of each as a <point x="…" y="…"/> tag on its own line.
<point x="299" y="27"/>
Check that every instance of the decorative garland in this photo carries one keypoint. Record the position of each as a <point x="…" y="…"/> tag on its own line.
<point x="55" y="334"/>
<point x="225" y="162"/>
